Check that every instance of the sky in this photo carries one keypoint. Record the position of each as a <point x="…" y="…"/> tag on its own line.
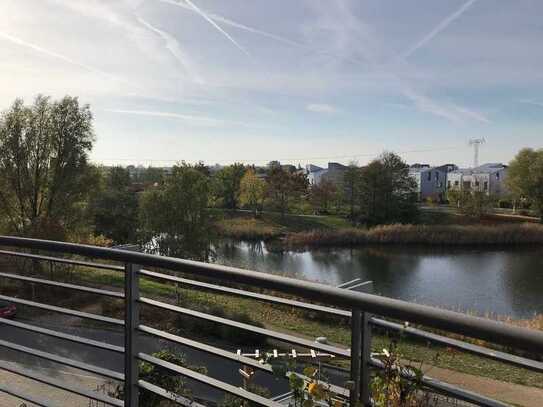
<point x="296" y="81"/>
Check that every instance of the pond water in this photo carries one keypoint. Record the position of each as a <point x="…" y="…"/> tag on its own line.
<point x="480" y="280"/>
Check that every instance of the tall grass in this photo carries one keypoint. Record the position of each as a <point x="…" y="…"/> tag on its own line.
<point x="246" y="229"/>
<point x="508" y="234"/>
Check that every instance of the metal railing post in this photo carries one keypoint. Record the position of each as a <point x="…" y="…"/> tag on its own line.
<point x="356" y="346"/>
<point x="365" y="374"/>
<point x="131" y="322"/>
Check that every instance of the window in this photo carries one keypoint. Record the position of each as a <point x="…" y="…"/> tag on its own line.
<point x="437" y="176"/>
<point x="485" y="186"/>
<point x="449" y="184"/>
<point x="429" y="175"/>
<point x="456" y="183"/>
<point x="497" y="175"/>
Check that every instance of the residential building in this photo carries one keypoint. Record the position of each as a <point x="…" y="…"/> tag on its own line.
<point x="334" y="173"/>
<point x="431" y="181"/>
<point x="489" y="178"/>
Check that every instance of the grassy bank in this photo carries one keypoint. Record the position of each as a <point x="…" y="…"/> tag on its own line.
<point x="313" y="231"/>
<point x="242" y="225"/>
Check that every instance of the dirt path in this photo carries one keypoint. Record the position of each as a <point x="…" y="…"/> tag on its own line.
<point x="507" y="392"/>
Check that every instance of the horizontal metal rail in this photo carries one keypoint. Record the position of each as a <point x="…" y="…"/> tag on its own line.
<point x="248" y="294"/>
<point x="63" y="361"/>
<point x="65" y="311"/>
<point x="212" y="350"/>
<point x="168" y="395"/>
<point x="392" y="326"/>
<point x="64" y="261"/>
<point x="492" y="331"/>
<point x="59" y="384"/>
<point x="306" y="343"/>
<point x="461" y="345"/>
<point x="439" y="339"/>
<point x="75" y="287"/>
<point x="24" y="396"/>
<point x="64" y="336"/>
<point x="199" y="377"/>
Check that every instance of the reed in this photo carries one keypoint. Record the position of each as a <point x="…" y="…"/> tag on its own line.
<point x="507" y="234"/>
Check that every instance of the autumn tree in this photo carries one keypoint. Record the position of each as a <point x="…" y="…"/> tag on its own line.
<point x="525" y="178"/>
<point x="252" y="190"/>
<point x="283" y="187"/>
<point x="45" y="176"/>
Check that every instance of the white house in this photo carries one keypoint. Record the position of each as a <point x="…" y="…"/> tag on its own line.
<point x="489" y="178"/>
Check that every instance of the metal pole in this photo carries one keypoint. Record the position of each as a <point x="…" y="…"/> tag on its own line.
<point x="365" y="376"/>
<point x="131" y="322"/>
<point x="356" y="346"/>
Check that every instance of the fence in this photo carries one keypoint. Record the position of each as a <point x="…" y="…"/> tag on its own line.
<point x="363" y="310"/>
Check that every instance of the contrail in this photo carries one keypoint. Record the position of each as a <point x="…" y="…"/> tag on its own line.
<point x="198" y="120"/>
<point x="214" y="24"/>
<point x="244" y="27"/>
<point x="56" y="55"/>
<point x="173" y="46"/>
<point x="440" y="27"/>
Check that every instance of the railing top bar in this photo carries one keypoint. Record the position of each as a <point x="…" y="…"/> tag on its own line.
<point x="492" y="331"/>
<point x="61" y="260"/>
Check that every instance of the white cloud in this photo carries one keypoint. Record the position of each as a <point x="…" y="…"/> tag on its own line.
<point x="321" y="108"/>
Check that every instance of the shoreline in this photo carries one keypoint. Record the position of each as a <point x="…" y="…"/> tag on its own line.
<point x="506" y="235"/>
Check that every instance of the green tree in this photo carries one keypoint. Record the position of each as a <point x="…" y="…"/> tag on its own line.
<point x="351" y="188"/>
<point x="283" y="187"/>
<point x="45" y="177"/>
<point x="228" y="184"/>
<point x="252" y="190"/>
<point x="115" y="208"/>
<point x="525" y="178"/>
<point x="473" y="203"/>
<point x="322" y="195"/>
<point x="174" y="219"/>
<point x="387" y="193"/>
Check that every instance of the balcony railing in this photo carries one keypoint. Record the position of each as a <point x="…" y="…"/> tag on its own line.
<point x="364" y="311"/>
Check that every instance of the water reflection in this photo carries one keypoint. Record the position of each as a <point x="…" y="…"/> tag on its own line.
<point x="484" y="281"/>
